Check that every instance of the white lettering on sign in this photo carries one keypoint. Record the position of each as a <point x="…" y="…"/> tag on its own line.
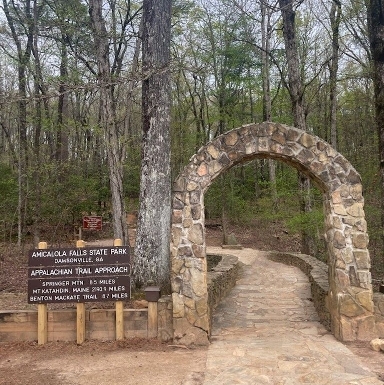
<point x="50" y="272"/>
<point x="49" y="253"/>
<point x="78" y="252"/>
<point x="119" y="296"/>
<point x="123" y="251"/>
<point x="40" y="298"/>
<point x="117" y="288"/>
<point x="98" y="252"/>
<point x="111" y="269"/>
<point x="80" y="289"/>
<point x="58" y="290"/>
<point x="69" y="298"/>
<point x="83" y="270"/>
<point x="78" y="260"/>
<point x="55" y="283"/>
<point x="90" y="296"/>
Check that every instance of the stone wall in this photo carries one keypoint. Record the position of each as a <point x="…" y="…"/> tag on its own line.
<point x="317" y="273"/>
<point x="165" y="319"/>
<point x="221" y="279"/>
<point x="378" y="300"/>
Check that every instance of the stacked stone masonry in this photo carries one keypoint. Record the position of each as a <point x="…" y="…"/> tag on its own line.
<point x="350" y="290"/>
<point x="378" y="300"/>
<point x="221" y="279"/>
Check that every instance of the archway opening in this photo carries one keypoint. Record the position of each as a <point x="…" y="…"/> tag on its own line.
<point x="259" y="204"/>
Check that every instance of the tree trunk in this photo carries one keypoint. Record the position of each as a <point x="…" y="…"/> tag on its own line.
<point x="109" y="121"/>
<point x="131" y="87"/>
<point x="23" y="56"/>
<point x="36" y="183"/>
<point x="296" y="92"/>
<point x="151" y="261"/>
<point x="375" y="10"/>
<point x="265" y="52"/>
<point x="267" y="104"/>
<point x="295" y="83"/>
<point x="62" y="109"/>
<point x="335" y="17"/>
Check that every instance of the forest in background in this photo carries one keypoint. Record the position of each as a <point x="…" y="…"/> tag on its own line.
<point x="228" y="68"/>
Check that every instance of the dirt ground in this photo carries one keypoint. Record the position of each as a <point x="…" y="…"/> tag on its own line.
<point x="135" y="361"/>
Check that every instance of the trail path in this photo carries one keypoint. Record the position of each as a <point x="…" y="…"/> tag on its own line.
<point x="267" y="332"/>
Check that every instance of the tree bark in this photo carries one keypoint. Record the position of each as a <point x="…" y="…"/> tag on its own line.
<point x="375" y="10"/>
<point x="335" y="17"/>
<point x="23" y="56"/>
<point x="38" y="118"/>
<point x="62" y="108"/>
<point x="109" y="121"/>
<point x="265" y="53"/>
<point x="267" y="103"/>
<point x="296" y="92"/>
<point x="295" y="83"/>
<point x="151" y="261"/>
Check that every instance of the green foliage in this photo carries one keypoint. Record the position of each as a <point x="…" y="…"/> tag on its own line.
<point x="312" y="224"/>
<point x="309" y="222"/>
<point x="131" y="180"/>
<point x="234" y="194"/>
<point x="64" y="196"/>
<point x="8" y="193"/>
<point x="246" y="195"/>
<point x="8" y="184"/>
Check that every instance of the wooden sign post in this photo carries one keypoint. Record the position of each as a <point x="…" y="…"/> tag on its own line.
<point x="80" y="311"/>
<point x="119" y="307"/>
<point x="152" y="295"/>
<point x="42" y="314"/>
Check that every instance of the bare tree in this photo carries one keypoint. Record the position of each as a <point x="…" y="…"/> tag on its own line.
<point x="295" y="82"/>
<point x="376" y="36"/>
<point x="21" y="18"/>
<point x="296" y="92"/>
<point x="335" y="17"/>
<point x="109" y="119"/>
<point x="266" y="78"/>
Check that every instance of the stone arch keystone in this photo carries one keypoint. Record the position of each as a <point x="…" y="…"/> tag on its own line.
<point x="350" y="289"/>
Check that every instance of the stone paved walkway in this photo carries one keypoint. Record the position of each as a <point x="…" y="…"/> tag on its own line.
<point x="267" y="332"/>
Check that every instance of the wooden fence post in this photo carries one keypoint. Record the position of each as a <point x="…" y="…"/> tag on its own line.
<point x="119" y="307"/>
<point x="152" y="319"/>
<point x="152" y="295"/>
<point x="80" y="311"/>
<point x="42" y="314"/>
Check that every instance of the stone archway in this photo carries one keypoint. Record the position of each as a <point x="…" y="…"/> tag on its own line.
<point x="350" y="290"/>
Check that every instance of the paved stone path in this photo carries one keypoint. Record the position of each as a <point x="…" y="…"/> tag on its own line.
<point x="267" y="332"/>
